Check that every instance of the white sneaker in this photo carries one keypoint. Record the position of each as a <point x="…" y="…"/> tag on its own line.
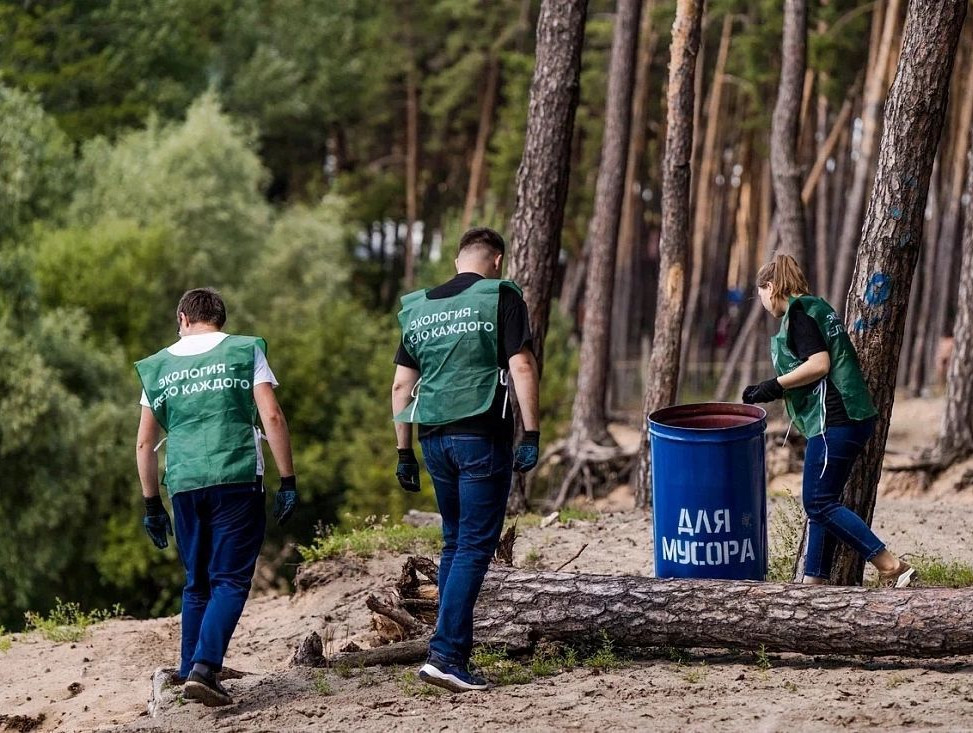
<point x="451" y="678"/>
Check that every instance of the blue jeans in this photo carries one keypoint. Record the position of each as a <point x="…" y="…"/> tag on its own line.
<point x="219" y="530"/>
<point x="828" y="519"/>
<point x="472" y="475"/>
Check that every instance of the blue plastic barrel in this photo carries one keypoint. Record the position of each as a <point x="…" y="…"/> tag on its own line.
<point x="709" y="497"/>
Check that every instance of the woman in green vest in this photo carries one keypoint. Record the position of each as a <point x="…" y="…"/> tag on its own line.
<point x="827" y="399"/>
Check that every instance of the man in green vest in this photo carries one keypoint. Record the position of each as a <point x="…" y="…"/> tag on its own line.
<point x="206" y="391"/>
<point x="461" y="341"/>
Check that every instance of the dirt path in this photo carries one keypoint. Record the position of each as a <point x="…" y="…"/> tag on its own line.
<point x="102" y="682"/>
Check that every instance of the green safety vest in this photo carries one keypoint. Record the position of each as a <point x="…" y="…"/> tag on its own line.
<point x="205" y="404"/>
<point x="454" y="342"/>
<point x="805" y="405"/>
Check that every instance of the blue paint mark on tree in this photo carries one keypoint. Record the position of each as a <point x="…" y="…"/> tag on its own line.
<point x="905" y="238"/>
<point x="910" y="181"/>
<point x="866" y="324"/>
<point x="896" y="212"/>
<point x="878" y="289"/>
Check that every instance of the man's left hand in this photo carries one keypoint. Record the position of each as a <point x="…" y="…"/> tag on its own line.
<point x="767" y="391"/>
<point x="156" y="522"/>
<point x="407" y="470"/>
<point x="528" y="451"/>
<point x="286" y="500"/>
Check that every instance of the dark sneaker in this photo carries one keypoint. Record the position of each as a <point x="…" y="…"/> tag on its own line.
<point x="450" y="677"/>
<point x="207" y="689"/>
<point x="898" y="578"/>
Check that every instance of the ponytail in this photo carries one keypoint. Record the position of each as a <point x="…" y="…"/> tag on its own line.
<point x="784" y="276"/>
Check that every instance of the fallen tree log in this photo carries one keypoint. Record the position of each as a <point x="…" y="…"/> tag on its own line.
<point x="521" y="608"/>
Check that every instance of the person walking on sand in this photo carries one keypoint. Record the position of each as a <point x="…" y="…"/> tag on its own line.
<point x="460" y="342"/>
<point x="821" y="382"/>
<point x="206" y="391"/>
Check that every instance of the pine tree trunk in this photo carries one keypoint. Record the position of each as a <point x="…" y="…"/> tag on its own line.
<point x="588" y="421"/>
<point x="542" y="178"/>
<point x="949" y="230"/>
<point x="822" y="250"/>
<point x="477" y="164"/>
<point x="664" y="362"/>
<point x="521" y="608"/>
<point x="925" y="285"/>
<point x="626" y="314"/>
<point x="892" y="231"/>
<point x="411" y="172"/>
<point x="871" y="111"/>
<point x="956" y="433"/>
<point x="702" y="202"/>
<point x="785" y="129"/>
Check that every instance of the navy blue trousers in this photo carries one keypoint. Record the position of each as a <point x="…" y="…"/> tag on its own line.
<point x="471" y="474"/>
<point x="219" y="530"/>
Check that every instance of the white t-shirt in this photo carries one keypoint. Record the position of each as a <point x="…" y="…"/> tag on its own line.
<point x="200" y="343"/>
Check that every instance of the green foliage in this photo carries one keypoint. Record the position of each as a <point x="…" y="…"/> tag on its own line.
<point x="36" y="163"/>
<point x="66" y="622"/>
<point x="786" y="533"/>
<point x="937" y="572"/>
<point x="5" y="640"/>
<point x="580" y="515"/>
<point x="412" y="686"/>
<point x="604" y="658"/>
<point x="322" y="685"/>
<point x="371" y="538"/>
<point x="495" y="663"/>
<point x="762" y="659"/>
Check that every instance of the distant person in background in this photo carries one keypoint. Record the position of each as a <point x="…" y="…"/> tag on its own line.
<point x="460" y="341"/>
<point x="821" y="382"/>
<point x="206" y="391"/>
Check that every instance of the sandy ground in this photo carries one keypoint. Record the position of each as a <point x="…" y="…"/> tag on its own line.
<point x="102" y="682"/>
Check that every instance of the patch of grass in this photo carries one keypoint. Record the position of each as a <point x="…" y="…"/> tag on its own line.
<point x="604" y="658"/>
<point x="786" y="533"/>
<point x="523" y="520"/>
<point x="790" y="686"/>
<point x="894" y="681"/>
<point x="548" y="660"/>
<point x="761" y="659"/>
<point x="676" y="655"/>
<point x="934" y="571"/>
<point x="532" y="559"/>
<point x="695" y="674"/>
<point x="414" y="687"/>
<point x="322" y="685"/>
<point x="343" y="670"/>
<point x="67" y="622"/>
<point x="581" y="515"/>
<point x="372" y="537"/>
<point x="5" y="640"/>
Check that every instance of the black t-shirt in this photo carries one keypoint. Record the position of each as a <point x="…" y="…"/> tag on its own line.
<point x="804" y="338"/>
<point x="513" y="334"/>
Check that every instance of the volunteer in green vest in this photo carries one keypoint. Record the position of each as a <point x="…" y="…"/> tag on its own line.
<point x="206" y="391"/>
<point x="827" y="399"/>
<point x="462" y="342"/>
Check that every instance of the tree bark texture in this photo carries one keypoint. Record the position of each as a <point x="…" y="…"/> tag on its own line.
<point x="925" y="285"/>
<point x="542" y="178"/>
<point x="627" y="320"/>
<point x="949" y="229"/>
<point x="664" y="363"/>
<point x="956" y="433"/>
<point x="702" y="204"/>
<point x="477" y="164"/>
<point x="785" y="129"/>
<point x="588" y="421"/>
<point x="411" y="171"/>
<point x="521" y="608"/>
<point x="871" y="117"/>
<point x="892" y="232"/>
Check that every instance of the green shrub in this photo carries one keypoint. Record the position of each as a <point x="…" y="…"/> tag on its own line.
<point x="67" y="622"/>
<point x="371" y="539"/>
<point x="934" y="571"/>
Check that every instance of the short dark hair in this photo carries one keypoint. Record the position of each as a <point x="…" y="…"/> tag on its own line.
<point x="202" y="305"/>
<point x="483" y="237"/>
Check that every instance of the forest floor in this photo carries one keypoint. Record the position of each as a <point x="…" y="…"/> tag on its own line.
<point x="103" y="681"/>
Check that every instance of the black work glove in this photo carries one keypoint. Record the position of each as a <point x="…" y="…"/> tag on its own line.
<point x="767" y="391"/>
<point x="407" y="470"/>
<point x="286" y="500"/>
<point x="156" y="522"/>
<point x="527" y="451"/>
